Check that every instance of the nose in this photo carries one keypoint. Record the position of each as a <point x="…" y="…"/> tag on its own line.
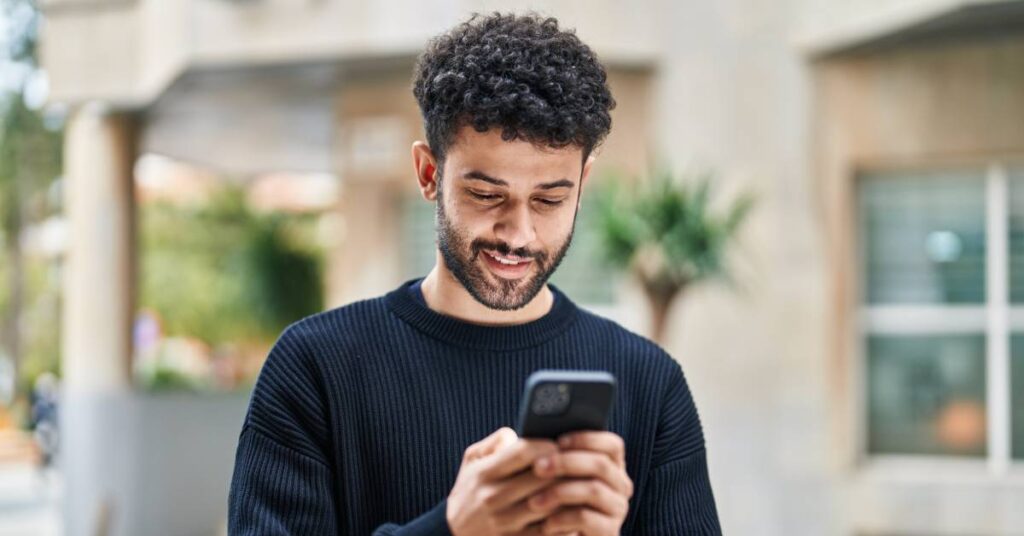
<point x="515" y="227"/>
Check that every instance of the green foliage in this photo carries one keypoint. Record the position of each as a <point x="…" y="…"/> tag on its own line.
<point x="169" y="379"/>
<point x="30" y="152"/>
<point x="665" y="231"/>
<point x="223" y="273"/>
<point x="30" y="162"/>
<point x="41" y="319"/>
<point x="286" y="282"/>
<point x="5" y="268"/>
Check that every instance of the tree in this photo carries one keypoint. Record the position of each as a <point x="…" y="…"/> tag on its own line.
<point x="30" y="160"/>
<point x="665" y="233"/>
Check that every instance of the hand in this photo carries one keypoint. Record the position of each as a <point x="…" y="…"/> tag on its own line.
<point x="595" y="500"/>
<point x="493" y="482"/>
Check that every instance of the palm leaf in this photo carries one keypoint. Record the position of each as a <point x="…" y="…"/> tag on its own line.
<point x="664" y="229"/>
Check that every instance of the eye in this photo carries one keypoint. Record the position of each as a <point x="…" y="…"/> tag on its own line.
<point x="484" y="197"/>
<point x="550" y="202"/>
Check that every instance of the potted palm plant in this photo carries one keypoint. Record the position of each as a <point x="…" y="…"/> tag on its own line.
<point x="664" y="232"/>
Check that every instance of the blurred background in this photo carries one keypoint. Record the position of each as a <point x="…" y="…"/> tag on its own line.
<point x="841" y="273"/>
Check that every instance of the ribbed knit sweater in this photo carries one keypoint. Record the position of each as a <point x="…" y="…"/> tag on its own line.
<point x="360" y="416"/>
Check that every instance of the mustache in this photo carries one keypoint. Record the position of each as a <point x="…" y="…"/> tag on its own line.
<point x="480" y="244"/>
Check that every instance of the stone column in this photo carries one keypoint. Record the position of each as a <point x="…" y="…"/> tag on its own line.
<point x="99" y="278"/>
<point x="95" y="456"/>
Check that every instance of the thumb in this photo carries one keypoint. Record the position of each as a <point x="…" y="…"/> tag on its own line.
<point x="496" y="441"/>
<point x="506" y="437"/>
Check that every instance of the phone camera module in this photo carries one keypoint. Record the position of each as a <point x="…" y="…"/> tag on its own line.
<point x="551" y="399"/>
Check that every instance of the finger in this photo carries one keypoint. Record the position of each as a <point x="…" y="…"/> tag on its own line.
<point x="506" y="438"/>
<point x="501" y="437"/>
<point x="520" y="514"/>
<point x="601" y="441"/>
<point x="514" y="458"/>
<point x="516" y="489"/>
<point x="580" y="518"/>
<point x="581" y="492"/>
<point x="585" y="463"/>
<point x="537" y="529"/>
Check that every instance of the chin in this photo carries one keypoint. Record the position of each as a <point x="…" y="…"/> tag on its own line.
<point x="508" y="294"/>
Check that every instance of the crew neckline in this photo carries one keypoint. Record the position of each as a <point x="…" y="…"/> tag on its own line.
<point x="413" y="309"/>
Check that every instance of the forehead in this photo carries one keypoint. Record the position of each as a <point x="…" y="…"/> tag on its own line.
<point x="516" y="160"/>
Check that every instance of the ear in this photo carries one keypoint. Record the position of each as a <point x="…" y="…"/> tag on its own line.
<point x="426" y="169"/>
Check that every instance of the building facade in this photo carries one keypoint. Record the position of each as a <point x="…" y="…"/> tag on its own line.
<point x="858" y="381"/>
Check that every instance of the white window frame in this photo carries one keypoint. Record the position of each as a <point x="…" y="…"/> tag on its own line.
<point x="996" y="318"/>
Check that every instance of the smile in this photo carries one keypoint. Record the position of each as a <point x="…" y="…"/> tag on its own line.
<point x="510" y="260"/>
<point x="508" y="267"/>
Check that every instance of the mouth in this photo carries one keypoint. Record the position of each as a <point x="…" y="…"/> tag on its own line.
<point x="506" y="266"/>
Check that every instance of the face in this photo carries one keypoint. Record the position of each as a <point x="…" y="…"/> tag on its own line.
<point x="505" y="214"/>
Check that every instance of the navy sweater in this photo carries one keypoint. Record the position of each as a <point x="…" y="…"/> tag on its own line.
<point x="360" y="416"/>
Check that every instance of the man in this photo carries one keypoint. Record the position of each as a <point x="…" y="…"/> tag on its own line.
<point x="361" y="417"/>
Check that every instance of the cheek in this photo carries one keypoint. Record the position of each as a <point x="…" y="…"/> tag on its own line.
<point x="469" y="221"/>
<point x="459" y="214"/>
<point x="560" y="219"/>
<point x="553" y="228"/>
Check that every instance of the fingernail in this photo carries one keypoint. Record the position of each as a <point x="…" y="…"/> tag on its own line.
<point x="564" y="441"/>
<point x="544" y="464"/>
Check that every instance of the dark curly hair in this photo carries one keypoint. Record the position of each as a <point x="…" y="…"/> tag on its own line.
<point x="520" y="73"/>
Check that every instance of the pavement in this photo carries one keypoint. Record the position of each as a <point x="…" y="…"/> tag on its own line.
<point x="29" y="496"/>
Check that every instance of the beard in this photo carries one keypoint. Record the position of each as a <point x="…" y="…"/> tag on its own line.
<point x="461" y="257"/>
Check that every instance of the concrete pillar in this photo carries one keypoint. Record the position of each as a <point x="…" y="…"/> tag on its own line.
<point x="96" y="458"/>
<point x="99" y="282"/>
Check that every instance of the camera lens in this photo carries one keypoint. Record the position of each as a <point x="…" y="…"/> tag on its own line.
<point x="551" y="399"/>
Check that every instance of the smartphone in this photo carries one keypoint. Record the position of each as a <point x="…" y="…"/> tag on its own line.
<point x="556" y="402"/>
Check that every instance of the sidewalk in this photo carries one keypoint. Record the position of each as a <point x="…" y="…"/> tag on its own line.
<point x="29" y="498"/>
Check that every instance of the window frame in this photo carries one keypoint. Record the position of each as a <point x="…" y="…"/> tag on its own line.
<point x="996" y="319"/>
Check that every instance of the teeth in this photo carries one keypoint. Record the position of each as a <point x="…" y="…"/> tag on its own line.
<point x="503" y="260"/>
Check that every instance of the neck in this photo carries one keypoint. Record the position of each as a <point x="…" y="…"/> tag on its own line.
<point x="444" y="294"/>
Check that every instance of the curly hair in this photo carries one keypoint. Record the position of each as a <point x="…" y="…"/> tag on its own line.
<point x="520" y="73"/>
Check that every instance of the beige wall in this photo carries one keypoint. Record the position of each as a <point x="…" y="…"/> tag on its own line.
<point x="731" y="97"/>
<point x="921" y="106"/>
<point x="128" y="51"/>
<point x="376" y="120"/>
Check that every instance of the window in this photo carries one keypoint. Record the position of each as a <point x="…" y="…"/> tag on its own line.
<point x="1016" y="312"/>
<point x="419" y="238"/>
<point x="942" y="311"/>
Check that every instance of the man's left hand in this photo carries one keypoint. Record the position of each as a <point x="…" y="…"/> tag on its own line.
<point x="592" y="498"/>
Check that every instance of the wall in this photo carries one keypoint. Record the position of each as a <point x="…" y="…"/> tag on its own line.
<point x="934" y="103"/>
<point x="732" y="98"/>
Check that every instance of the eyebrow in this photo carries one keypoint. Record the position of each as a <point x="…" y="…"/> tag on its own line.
<point x="480" y="176"/>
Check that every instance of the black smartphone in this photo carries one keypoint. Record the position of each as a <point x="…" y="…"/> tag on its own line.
<point x="556" y="402"/>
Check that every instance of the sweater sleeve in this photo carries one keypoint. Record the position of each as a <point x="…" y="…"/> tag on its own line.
<point x="434" y="522"/>
<point x="283" y="482"/>
<point x="277" y="490"/>
<point x="677" y="497"/>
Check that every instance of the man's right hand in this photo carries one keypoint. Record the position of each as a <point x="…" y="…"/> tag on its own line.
<point x="493" y="481"/>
